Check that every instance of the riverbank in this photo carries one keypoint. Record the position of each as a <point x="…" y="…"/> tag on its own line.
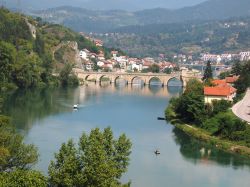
<point x="201" y="134"/>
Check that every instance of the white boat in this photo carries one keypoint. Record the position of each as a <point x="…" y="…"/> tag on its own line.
<point x="75" y="106"/>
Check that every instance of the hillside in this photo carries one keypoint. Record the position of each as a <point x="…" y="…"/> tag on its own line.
<point x="80" y="19"/>
<point x="32" y="50"/>
<point x="232" y="35"/>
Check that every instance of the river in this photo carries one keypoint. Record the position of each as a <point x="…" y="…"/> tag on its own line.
<point x="46" y="119"/>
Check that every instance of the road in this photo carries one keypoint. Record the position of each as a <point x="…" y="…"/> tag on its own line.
<point x="242" y="108"/>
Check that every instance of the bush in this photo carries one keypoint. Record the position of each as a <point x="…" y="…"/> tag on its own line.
<point x="224" y="125"/>
<point x="211" y="125"/>
<point x="22" y="178"/>
<point x="220" y="106"/>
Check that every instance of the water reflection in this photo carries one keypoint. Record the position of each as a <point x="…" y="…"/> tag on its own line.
<point x="27" y="107"/>
<point x="199" y="152"/>
<point x="48" y="118"/>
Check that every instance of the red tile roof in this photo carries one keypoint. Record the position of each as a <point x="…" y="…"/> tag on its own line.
<point x="232" y="79"/>
<point x="219" y="82"/>
<point x="219" y="91"/>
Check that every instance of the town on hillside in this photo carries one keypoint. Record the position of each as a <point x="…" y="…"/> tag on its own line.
<point x="121" y="63"/>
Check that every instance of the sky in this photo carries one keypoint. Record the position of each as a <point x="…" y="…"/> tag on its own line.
<point x="130" y="5"/>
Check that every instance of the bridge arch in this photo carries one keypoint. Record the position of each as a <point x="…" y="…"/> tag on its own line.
<point x="155" y="78"/>
<point x="90" y="77"/>
<point x="120" y="77"/>
<point x="136" y="77"/>
<point x="104" y="76"/>
<point x="175" y="78"/>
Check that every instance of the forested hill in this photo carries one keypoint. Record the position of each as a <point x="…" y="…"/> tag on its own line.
<point x="208" y="10"/>
<point x="27" y="48"/>
<point x="80" y="19"/>
<point x="231" y="35"/>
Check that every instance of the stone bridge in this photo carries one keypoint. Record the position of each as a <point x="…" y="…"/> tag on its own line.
<point x="130" y="77"/>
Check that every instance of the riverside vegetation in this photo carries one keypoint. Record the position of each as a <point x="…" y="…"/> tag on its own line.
<point x="213" y="123"/>
<point x="33" y="51"/>
<point x="26" y="62"/>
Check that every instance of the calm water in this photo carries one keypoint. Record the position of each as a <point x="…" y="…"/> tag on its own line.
<point x="46" y="119"/>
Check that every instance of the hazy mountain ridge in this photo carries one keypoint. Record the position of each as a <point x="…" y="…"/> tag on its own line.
<point x="231" y="35"/>
<point x="130" y="5"/>
<point x="103" y="21"/>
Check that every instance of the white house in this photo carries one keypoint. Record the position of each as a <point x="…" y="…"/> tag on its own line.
<point x="245" y="55"/>
<point x="100" y="63"/>
<point x="84" y="54"/>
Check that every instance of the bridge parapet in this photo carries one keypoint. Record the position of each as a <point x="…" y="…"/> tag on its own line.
<point x="128" y="77"/>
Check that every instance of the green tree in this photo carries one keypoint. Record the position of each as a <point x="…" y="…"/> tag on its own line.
<point x="208" y="73"/>
<point x="22" y="178"/>
<point x="237" y="68"/>
<point x="135" y="69"/>
<point x="14" y="154"/>
<point x="27" y="71"/>
<point x="7" y="59"/>
<point x="244" y="80"/>
<point x="225" y="125"/>
<point x="154" y="68"/>
<point x="223" y="75"/>
<point x="168" y="70"/>
<point x="39" y="45"/>
<point x="98" y="161"/>
<point x="190" y="105"/>
<point x="220" y="106"/>
<point x="66" y="76"/>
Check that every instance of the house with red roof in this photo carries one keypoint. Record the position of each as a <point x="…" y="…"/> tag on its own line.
<point x="218" y="82"/>
<point x="231" y="80"/>
<point x="219" y="92"/>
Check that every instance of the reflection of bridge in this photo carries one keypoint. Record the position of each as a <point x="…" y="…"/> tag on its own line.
<point x="130" y="77"/>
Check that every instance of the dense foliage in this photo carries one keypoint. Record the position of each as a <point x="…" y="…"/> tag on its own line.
<point x="98" y="161"/>
<point x="215" y="118"/>
<point x="243" y="70"/>
<point x="23" y="178"/>
<point x="67" y="78"/>
<point x="14" y="154"/>
<point x="32" y="52"/>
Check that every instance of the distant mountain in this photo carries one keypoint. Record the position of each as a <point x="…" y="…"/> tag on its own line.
<point x="225" y="36"/>
<point x="209" y="10"/>
<point x="104" y="21"/>
<point x="130" y="5"/>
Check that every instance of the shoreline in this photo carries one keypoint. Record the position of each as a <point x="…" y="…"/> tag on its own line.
<point x="200" y="134"/>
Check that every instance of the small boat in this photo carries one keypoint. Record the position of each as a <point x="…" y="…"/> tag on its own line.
<point x="157" y="152"/>
<point x="161" y="118"/>
<point x="75" y="106"/>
